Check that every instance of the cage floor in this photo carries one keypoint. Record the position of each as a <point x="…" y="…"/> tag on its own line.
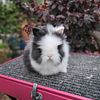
<point x="82" y="78"/>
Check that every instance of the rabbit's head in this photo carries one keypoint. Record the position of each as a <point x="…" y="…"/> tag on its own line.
<point x="48" y="44"/>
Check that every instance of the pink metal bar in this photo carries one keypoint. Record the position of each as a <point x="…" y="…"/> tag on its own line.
<point x="21" y="90"/>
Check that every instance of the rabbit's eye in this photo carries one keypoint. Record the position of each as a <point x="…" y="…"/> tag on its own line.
<point x="60" y="46"/>
<point x="60" y="50"/>
<point x="39" y="50"/>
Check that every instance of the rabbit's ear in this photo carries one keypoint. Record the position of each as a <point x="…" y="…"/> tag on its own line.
<point x="59" y="29"/>
<point x="52" y="29"/>
<point x="37" y="32"/>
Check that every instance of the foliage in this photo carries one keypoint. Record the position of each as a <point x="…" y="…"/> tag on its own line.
<point x="10" y="18"/>
<point x="3" y="45"/>
<point x="5" y="52"/>
<point x="80" y="18"/>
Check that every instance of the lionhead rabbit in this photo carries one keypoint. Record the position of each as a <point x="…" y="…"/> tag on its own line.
<point x="48" y="50"/>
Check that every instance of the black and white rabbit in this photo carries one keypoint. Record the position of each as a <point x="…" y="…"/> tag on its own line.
<point x="48" y="50"/>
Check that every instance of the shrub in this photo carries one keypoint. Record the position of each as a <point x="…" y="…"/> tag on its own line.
<point x="80" y="18"/>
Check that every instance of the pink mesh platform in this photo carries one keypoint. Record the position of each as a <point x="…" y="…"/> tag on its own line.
<point x="82" y="81"/>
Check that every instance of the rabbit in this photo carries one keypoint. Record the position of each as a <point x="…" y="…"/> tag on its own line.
<point x="48" y="50"/>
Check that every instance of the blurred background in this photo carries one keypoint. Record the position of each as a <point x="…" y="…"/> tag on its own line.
<point x="81" y="19"/>
<point x="11" y="41"/>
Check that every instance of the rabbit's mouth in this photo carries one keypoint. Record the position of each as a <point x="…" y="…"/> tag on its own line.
<point x="53" y="62"/>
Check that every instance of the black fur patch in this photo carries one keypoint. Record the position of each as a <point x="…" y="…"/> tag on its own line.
<point x="38" y="34"/>
<point x="36" y="53"/>
<point x="61" y="52"/>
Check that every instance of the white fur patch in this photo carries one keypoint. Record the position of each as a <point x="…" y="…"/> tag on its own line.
<point x="50" y="28"/>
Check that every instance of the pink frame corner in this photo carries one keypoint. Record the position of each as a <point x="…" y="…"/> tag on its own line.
<point x="22" y="90"/>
